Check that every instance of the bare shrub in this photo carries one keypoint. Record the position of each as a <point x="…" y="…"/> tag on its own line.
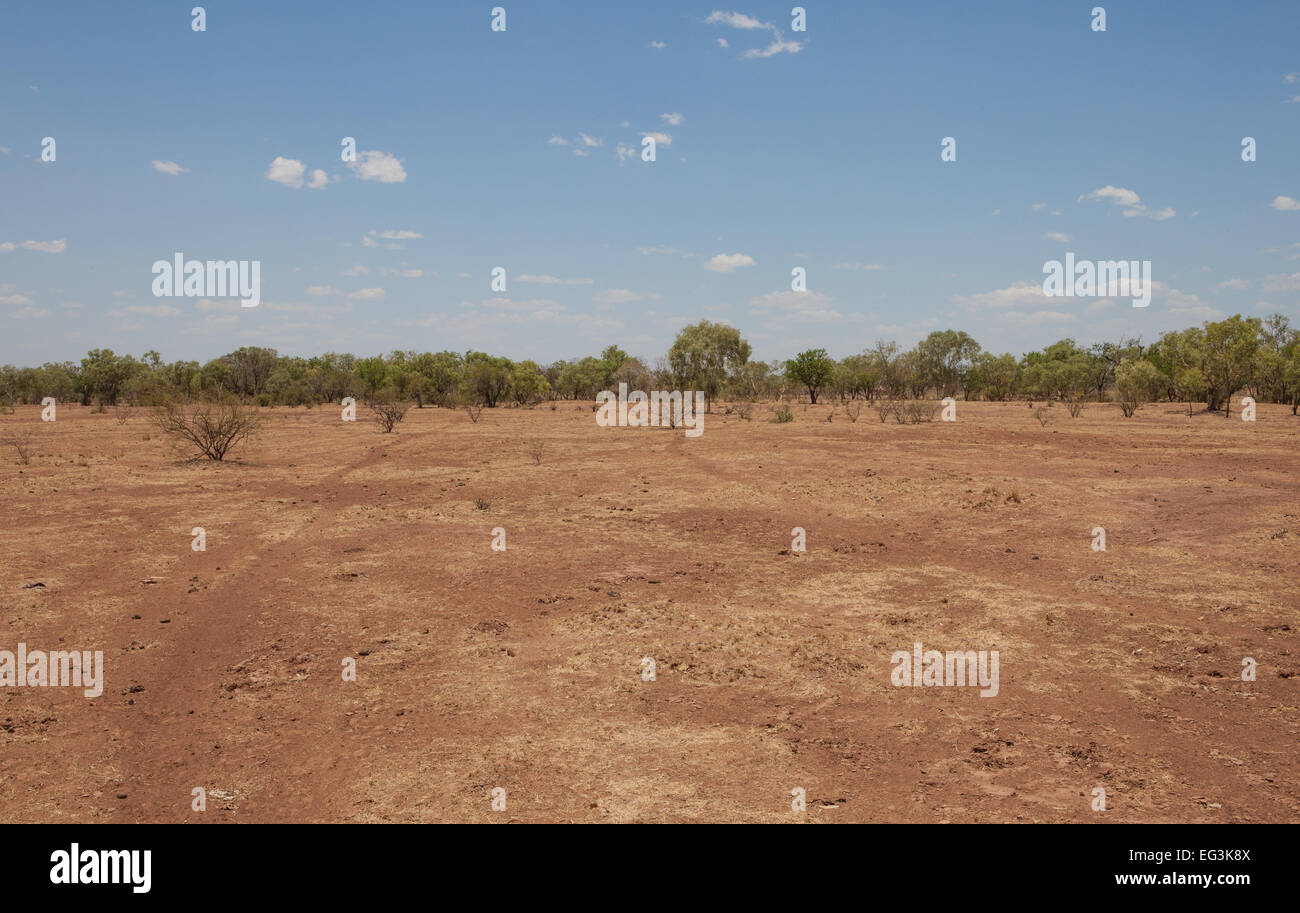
<point x="852" y="409"/>
<point x="535" y="450"/>
<point x="918" y="411"/>
<point x="885" y="408"/>
<point x="745" y="411"/>
<point x="1074" y="407"/>
<point x="22" y="445"/>
<point x="388" y="413"/>
<point x="482" y="503"/>
<point x="473" y="410"/>
<point x="209" y="428"/>
<point x="1044" y="417"/>
<point x="122" y="412"/>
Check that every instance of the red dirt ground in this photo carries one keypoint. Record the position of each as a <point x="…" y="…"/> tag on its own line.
<point x="520" y="669"/>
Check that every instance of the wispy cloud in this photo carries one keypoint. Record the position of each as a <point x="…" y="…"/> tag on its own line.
<point x="168" y="167"/>
<point x="45" y="247"/>
<point x="748" y="23"/>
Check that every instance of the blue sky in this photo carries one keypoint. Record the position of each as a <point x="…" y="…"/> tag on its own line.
<point x="818" y="149"/>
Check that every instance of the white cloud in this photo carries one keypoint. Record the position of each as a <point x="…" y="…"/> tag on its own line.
<point x="674" y="119"/>
<point x="786" y="307"/>
<point x="873" y="267"/>
<point x="590" y="140"/>
<point x="285" y="171"/>
<point x="1122" y="196"/>
<point x="28" y="313"/>
<point x="658" y="45"/>
<point x="378" y="166"/>
<point x="1017" y="295"/>
<point x="321" y="290"/>
<point x="1037" y="318"/>
<point x="722" y="43"/>
<point x="357" y="270"/>
<point x="367" y="294"/>
<point x="398" y="235"/>
<point x="318" y="179"/>
<point x="1291" y="78"/>
<point x="551" y="280"/>
<point x="1158" y="215"/>
<point x="778" y="46"/>
<point x="1280" y="282"/>
<point x="736" y="20"/>
<point x="557" y="140"/>
<point x="1060" y="236"/>
<point x="168" y="167"/>
<point x="154" y="310"/>
<point x="624" y="153"/>
<point x="623" y="296"/>
<point x="748" y="23"/>
<point x="1285" y="204"/>
<point x="45" y="247"/>
<point x="1119" y="195"/>
<point x="727" y="263"/>
<point x="1038" y="207"/>
<point x="1235" y="283"/>
<point x="660" y="249"/>
<point x="661" y="139"/>
<point x="15" y="299"/>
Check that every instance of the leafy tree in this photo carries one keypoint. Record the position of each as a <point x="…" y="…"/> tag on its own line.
<point x="812" y="369"/>
<point x="705" y="354"/>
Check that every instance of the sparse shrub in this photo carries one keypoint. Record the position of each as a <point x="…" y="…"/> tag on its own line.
<point x="22" y="445"/>
<point x="783" y="415"/>
<point x="535" y="450"/>
<point x="745" y="411"/>
<point x="918" y="411"/>
<point x="208" y="428"/>
<point x="885" y="408"/>
<point x="123" y="412"/>
<point x="473" y="410"/>
<point x="1074" y="407"/>
<point x="1044" y="417"/>
<point x="852" y="409"/>
<point x="388" y="413"/>
<point x="482" y="503"/>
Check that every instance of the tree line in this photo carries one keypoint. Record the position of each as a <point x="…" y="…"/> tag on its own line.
<point x="1206" y="364"/>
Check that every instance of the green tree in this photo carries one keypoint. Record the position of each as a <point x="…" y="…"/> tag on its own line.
<point x="704" y="355"/>
<point x="811" y="369"/>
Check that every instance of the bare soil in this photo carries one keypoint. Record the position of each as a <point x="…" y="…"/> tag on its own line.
<point x="521" y="669"/>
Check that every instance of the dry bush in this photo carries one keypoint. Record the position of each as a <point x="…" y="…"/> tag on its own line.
<point x="208" y="428"/>
<point x="535" y="450"/>
<point x="745" y="411"/>
<point x="123" y="412"/>
<point x="22" y="445"/>
<point x="482" y="503"/>
<point x="782" y="415"/>
<point x="388" y="413"/>
<point x="1074" y="407"/>
<point x="918" y="411"/>
<point x="473" y="410"/>
<point x="852" y="409"/>
<point x="885" y="408"/>
<point x="1043" y="416"/>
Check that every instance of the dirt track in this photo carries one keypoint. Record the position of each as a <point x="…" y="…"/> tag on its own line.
<point x="522" y="669"/>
